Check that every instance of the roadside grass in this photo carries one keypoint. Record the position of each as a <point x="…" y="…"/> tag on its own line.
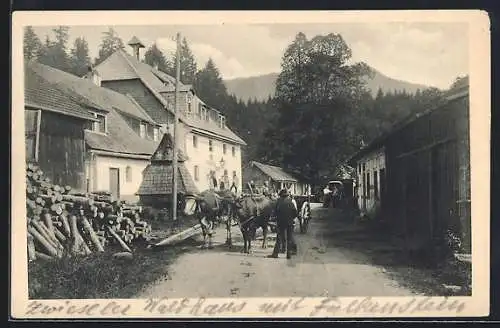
<point x="378" y="248"/>
<point x="100" y="275"/>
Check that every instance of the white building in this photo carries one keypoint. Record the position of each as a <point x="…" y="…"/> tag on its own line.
<point x="209" y="144"/>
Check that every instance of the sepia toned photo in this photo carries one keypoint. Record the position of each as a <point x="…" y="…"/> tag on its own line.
<point x="222" y="165"/>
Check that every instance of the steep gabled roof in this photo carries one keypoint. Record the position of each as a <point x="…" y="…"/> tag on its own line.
<point x="164" y="152"/>
<point x="122" y="66"/>
<point x="274" y="172"/>
<point x="40" y="94"/>
<point x="92" y="95"/>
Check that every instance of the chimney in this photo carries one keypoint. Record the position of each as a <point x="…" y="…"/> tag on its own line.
<point x="136" y="44"/>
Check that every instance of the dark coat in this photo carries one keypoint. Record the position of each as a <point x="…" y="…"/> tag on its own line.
<point x="285" y="211"/>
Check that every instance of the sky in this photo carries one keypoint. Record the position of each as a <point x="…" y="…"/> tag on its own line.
<point x="429" y="53"/>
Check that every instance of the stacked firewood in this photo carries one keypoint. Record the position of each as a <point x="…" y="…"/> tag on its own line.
<point x="64" y="223"/>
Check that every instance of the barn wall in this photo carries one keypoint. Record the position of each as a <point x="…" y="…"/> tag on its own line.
<point x="62" y="149"/>
<point x="428" y="175"/>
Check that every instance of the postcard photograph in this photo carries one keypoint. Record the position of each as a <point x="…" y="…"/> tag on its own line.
<point x="196" y="164"/>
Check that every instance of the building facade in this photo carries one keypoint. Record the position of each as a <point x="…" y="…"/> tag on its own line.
<point x="211" y="148"/>
<point x="423" y="174"/>
<point x="120" y="140"/>
<point x="276" y="178"/>
<point x="370" y="184"/>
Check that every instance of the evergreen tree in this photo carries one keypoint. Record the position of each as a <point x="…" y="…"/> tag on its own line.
<point x="55" y="53"/>
<point x="154" y="57"/>
<point x="80" y="59"/>
<point x="31" y="44"/>
<point x="110" y="43"/>
<point x="210" y="87"/>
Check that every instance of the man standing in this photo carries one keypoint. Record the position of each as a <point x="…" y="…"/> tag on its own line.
<point x="285" y="213"/>
<point x="235" y="183"/>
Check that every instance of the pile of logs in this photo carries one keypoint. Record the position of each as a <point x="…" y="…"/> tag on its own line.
<point x="64" y="223"/>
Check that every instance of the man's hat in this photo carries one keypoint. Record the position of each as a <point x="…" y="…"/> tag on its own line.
<point x="283" y="193"/>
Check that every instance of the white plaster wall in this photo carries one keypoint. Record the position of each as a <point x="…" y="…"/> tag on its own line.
<point x="373" y="161"/>
<point x="127" y="188"/>
<point x="200" y="156"/>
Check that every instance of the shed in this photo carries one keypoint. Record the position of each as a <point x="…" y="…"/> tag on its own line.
<point x="157" y="180"/>
<point x="275" y="175"/>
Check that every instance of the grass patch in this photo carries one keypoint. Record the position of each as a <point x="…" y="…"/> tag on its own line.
<point x="99" y="275"/>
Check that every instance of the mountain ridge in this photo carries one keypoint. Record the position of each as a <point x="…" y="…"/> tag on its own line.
<point x="260" y="87"/>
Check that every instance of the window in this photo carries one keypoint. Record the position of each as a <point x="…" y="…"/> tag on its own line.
<point x="99" y="126"/>
<point x="142" y="130"/>
<point x="233" y="151"/>
<point x="210" y="145"/>
<point x="156" y="134"/>
<point x="224" y="149"/>
<point x="195" y="141"/>
<point x="207" y="115"/>
<point x="375" y="184"/>
<point x="200" y="110"/>
<point x="222" y="122"/>
<point x="128" y="174"/>
<point x="368" y="185"/>
<point x="196" y="173"/>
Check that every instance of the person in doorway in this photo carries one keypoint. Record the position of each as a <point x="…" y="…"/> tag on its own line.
<point x="213" y="180"/>
<point x="266" y="191"/>
<point x="285" y="213"/>
<point x="234" y="185"/>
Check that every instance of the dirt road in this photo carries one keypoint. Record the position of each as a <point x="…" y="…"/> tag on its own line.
<point x="319" y="269"/>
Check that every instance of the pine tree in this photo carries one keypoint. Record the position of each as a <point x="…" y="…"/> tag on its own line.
<point x="54" y="53"/>
<point x="154" y="57"/>
<point x="110" y="43"/>
<point x="188" y="68"/>
<point x="209" y="85"/>
<point x="80" y="59"/>
<point x="31" y="43"/>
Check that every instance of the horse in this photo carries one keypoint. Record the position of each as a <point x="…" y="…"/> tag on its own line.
<point x="210" y="208"/>
<point x="253" y="211"/>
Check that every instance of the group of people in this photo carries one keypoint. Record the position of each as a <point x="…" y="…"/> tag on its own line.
<point x="224" y="182"/>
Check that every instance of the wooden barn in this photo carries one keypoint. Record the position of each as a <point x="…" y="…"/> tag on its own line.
<point x="54" y="131"/>
<point x="425" y="174"/>
<point x="157" y="183"/>
<point x="275" y="176"/>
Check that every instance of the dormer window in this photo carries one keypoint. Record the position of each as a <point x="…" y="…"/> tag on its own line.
<point x="99" y="126"/>
<point x="222" y="121"/>
<point x="142" y="130"/>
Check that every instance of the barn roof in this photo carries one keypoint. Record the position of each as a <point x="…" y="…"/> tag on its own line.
<point x="122" y="66"/>
<point x="164" y="151"/>
<point x="41" y="94"/>
<point x="157" y="176"/>
<point x="459" y="91"/>
<point x="92" y="95"/>
<point x="274" y="172"/>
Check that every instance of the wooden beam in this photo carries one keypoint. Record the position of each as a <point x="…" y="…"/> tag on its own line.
<point x="37" y="139"/>
<point x="421" y="149"/>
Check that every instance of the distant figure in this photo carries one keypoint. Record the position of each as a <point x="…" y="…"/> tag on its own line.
<point x="265" y="189"/>
<point x="252" y="185"/>
<point x="224" y="181"/>
<point x="235" y="183"/>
